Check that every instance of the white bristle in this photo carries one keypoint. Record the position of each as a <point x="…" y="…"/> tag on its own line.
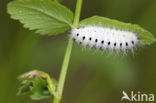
<point x="105" y="38"/>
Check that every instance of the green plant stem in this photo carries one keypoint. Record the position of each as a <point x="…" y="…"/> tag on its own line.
<point x="77" y="13"/>
<point x="63" y="72"/>
<point x="65" y="64"/>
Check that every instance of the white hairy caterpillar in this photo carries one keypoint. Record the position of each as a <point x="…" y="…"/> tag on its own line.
<point x="105" y="38"/>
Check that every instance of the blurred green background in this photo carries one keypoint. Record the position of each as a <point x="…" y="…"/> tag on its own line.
<point x="93" y="77"/>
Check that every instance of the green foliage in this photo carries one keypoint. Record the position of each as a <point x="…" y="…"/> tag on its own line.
<point x="24" y="89"/>
<point x="44" y="16"/>
<point x="39" y="89"/>
<point x="37" y="85"/>
<point x="145" y="36"/>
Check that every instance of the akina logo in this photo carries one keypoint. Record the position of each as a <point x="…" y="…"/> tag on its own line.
<point x="138" y="97"/>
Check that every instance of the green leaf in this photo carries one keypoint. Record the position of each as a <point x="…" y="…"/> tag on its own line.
<point x="37" y="84"/>
<point x="145" y="36"/>
<point x="39" y="89"/>
<point x="25" y="88"/>
<point x="44" y="16"/>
